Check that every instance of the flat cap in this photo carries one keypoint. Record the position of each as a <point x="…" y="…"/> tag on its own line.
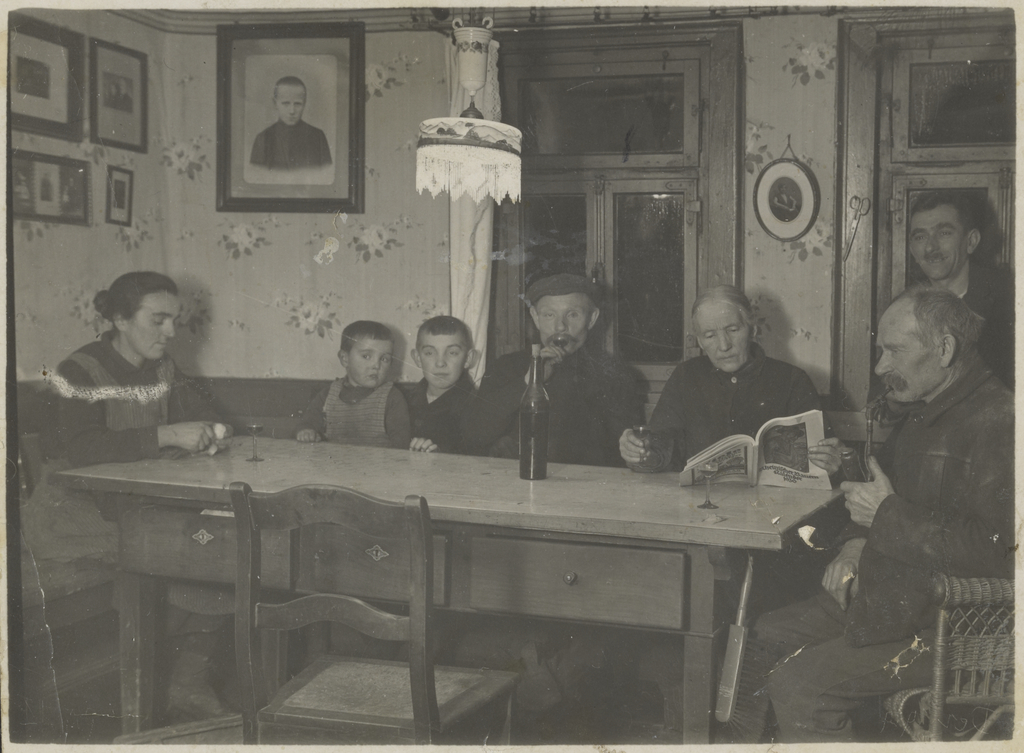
<point x="563" y="284"/>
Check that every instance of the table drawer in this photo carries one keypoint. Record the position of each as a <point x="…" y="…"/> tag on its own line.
<point x="344" y="561"/>
<point x="614" y="584"/>
<point x="184" y="543"/>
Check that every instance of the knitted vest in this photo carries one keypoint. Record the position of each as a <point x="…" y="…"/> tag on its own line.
<point x="359" y="423"/>
<point x="125" y="408"/>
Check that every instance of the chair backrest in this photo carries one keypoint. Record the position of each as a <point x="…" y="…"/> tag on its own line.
<point x="974" y="658"/>
<point x="393" y="537"/>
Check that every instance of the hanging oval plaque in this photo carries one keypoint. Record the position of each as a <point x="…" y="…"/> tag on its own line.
<point x="786" y="199"/>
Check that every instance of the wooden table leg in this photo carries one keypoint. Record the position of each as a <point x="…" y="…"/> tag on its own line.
<point x="699" y="672"/>
<point x="137" y="605"/>
<point x="698" y="689"/>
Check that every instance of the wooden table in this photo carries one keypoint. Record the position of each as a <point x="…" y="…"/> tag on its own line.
<point x="591" y="544"/>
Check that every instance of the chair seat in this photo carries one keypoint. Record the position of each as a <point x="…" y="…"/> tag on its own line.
<point x="338" y="693"/>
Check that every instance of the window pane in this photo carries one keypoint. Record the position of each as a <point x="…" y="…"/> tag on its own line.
<point x="556" y="235"/>
<point x="608" y="115"/>
<point x="963" y="103"/>
<point x="649" y="276"/>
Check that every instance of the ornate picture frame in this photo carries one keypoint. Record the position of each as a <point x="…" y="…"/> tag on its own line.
<point x="290" y="117"/>
<point x="119" y="96"/>
<point x="120" y="189"/>
<point x="46" y="65"/>
<point x="46" y="188"/>
<point x="786" y="199"/>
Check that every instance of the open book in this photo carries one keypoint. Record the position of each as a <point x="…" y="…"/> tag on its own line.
<point x="776" y="456"/>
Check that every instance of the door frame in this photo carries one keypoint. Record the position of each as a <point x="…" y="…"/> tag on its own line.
<point x="719" y="236"/>
<point x="864" y="280"/>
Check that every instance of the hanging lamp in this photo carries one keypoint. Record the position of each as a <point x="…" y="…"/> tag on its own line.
<point x="468" y="155"/>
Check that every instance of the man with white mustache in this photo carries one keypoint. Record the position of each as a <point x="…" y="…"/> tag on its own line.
<point x="941" y="501"/>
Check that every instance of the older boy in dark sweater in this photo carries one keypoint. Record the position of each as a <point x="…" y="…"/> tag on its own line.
<point x="444" y="351"/>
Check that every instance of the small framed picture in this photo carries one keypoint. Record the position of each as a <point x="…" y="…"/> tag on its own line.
<point x="46" y="75"/>
<point x="786" y="199"/>
<point x="49" y="189"/>
<point x="118" y="87"/>
<point x="119" y="195"/>
<point x="290" y="101"/>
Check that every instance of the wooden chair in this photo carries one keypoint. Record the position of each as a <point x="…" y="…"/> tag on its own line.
<point x="354" y="545"/>
<point x="973" y="657"/>
<point x="69" y="655"/>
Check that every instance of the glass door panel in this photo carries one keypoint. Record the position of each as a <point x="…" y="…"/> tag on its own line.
<point x="992" y="192"/>
<point x="609" y="114"/>
<point x="956" y="103"/>
<point x="649" y="284"/>
<point x="555" y="235"/>
<point x="619" y="115"/>
<point x="650" y="246"/>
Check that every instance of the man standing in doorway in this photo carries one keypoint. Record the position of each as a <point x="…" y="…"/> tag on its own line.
<point x="944" y="233"/>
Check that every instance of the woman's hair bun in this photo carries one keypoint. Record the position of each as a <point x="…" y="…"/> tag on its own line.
<point x="101" y="302"/>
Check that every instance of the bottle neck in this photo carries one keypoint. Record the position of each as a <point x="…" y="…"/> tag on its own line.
<point x="536" y="370"/>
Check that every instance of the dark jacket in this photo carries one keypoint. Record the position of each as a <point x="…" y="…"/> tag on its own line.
<point x="990" y="296"/>
<point x="701" y="404"/>
<point x="440" y="420"/>
<point x="285" y="147"/>
<point x="950" y="462"/>
<point x="594" y="398"/>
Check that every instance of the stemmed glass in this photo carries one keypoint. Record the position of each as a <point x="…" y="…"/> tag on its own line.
<point x="254" y="429"/>
<point x="561" y="340"/>
<point x="709" y="469"/>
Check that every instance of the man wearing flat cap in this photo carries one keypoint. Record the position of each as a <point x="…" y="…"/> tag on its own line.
<point x="594" y="396"/>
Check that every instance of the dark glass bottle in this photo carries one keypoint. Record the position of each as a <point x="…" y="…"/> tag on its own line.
<point x="533" y="424"/>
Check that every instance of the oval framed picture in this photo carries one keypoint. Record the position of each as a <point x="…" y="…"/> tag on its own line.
<point x="786" y="199"/>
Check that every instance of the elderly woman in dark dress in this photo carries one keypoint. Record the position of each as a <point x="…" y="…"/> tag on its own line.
<point x="123" y="399"/>
<point x="733" y="388"/>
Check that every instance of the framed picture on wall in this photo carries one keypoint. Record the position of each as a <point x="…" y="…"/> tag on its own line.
<point x="119" y="195"/>
<point x="290" y="117"/>
<point x="118" y="87"/>
<point x="49" y="189"/>
<point x="786" y="199"/>
<point x="47" y="64"/>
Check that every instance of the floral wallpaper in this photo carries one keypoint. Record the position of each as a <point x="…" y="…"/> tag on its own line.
<point x="267" y="294"/>
<point x="262" y="294"/>
<point x="791" y="112"/>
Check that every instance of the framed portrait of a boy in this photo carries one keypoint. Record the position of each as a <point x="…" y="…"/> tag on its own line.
<point x="290" y="117"/>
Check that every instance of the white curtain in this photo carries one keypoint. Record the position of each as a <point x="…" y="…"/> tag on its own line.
<point x="470" y="224"/>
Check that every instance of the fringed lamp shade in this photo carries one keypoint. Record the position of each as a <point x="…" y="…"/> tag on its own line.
<point x="468" y="155"/>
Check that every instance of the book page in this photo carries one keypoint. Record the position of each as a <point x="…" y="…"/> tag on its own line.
<point x="784" y="458"/>
<point x="731" y="462"/>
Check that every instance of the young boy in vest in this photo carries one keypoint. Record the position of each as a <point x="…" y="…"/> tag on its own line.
<point x="444" y="351"/>
<point x="363" y="407"/>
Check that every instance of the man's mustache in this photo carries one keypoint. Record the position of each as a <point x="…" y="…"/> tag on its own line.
<point x="895" y="382"/>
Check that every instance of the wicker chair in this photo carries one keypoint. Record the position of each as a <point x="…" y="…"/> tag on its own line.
<point x="973" y="657"/>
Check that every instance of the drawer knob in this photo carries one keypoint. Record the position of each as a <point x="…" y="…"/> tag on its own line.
<point x="570" y="578"/>
<point x="203" y="537"/>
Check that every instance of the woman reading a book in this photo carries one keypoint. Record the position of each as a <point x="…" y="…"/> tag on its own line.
<point x="733" y="388"/>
